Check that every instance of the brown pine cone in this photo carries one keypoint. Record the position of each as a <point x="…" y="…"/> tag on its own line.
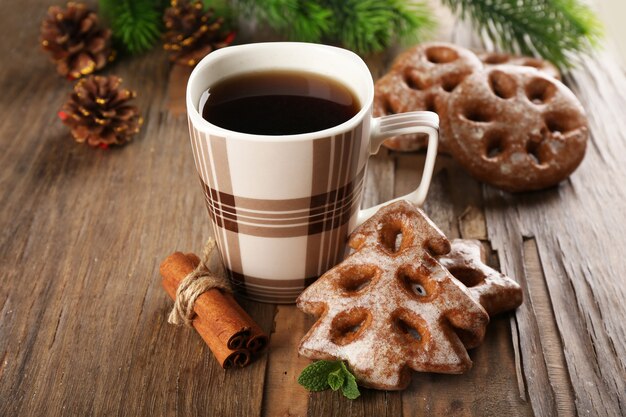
<point x="75" y="41"/>
<point x="98" y="112"/>
<point x="191" y="33"/>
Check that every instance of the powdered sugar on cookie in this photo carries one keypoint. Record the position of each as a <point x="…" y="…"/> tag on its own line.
<point x="391" y="307"/>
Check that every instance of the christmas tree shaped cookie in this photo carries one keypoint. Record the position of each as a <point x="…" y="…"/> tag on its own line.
<point x="495" y="291"/>
<point x="391" y="307"/>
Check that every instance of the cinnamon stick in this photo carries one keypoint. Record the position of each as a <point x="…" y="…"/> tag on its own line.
<point x="258" y="340"/>
<point x="221" y="322"/>
<point x="240" y="337"/>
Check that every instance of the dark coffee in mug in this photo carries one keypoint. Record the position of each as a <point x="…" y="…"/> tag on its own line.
<point x="278" y="103"/>
<point x="282" y="207"/>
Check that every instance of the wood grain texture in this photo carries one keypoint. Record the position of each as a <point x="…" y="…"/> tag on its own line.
<point x="578" y="234"/>
<point x="579" y="231"/>
<point x="82" y="329"/>
<point x="82" y="232"/>
<point x="557" y="372"/>
<point x="283" y="396"/>
<point x="490" y="387"/>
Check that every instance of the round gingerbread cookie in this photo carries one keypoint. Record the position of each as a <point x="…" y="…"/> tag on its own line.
<point x="421" y="78"/>
<point x="516" y="128"/>
<point x="490" y="59"/>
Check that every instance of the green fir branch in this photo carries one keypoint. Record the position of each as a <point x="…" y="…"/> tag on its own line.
<point x="221" y="8"/>
<point x="582" y="20"/>
<point x="555" y="29"/>
<point x="302" y="20"/>
<point x="372" y="25"/>
<point x="136" y="24"/>
<point x="361" y="25"/>
<point x="305" y="21"/>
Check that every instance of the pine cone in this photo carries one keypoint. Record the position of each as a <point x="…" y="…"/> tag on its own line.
<point x="191" y="33"/>
<point x="98" y="112"/>
<point x="76" y="42"/>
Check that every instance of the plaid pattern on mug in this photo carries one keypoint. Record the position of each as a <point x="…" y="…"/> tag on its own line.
<point x="297" y="200"/>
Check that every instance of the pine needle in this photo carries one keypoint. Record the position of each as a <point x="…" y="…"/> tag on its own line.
<point x="557" y="30"/>
<point x="135" y="23"/>
<point x="301" y="20"/>
<point x="371" y="25"/>
<point x="361" y="25"/>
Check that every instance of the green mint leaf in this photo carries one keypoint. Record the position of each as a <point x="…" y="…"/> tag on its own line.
<point x="315" y="376"/>
<point x="336" y="379"/>
<point x="350" y="389"/>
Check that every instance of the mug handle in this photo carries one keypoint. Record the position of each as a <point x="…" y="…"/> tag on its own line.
<point x="400" y="124"/>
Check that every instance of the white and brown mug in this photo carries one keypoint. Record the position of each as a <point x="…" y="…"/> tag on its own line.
<point x="282" y="207"/>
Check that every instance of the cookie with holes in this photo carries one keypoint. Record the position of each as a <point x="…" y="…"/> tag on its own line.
<point x="495" y="291"/>
<point x="491" y="59"/>
<point x="390" y="306"/>
<point x="516" y="128"/>
<point x="421" y="78"/>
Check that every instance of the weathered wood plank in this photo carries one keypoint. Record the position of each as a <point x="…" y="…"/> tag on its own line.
<point x="548" y="333"/>
<point x="371" y="403"/>
<point x="490" y="387"/>
<point x="82" y="232"/>
<point x="578" y="228"/>
<point x="283" y="396"/>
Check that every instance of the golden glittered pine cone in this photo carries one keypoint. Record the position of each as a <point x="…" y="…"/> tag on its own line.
<point x="191" y="32"/>
<point x="98" y="112"/>
<point x="76" y="42"/>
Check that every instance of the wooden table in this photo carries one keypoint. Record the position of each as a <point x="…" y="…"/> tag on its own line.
<point x="83" y="326"/>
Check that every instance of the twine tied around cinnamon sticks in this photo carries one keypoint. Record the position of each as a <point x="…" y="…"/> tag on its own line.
<point x="194" y="284"/>
<point x="203" y="299"/>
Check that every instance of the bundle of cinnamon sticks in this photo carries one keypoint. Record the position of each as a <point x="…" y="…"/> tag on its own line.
<point x="231" y="334"/>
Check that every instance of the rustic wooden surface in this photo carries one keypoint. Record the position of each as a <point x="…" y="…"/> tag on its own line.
<point x="82" y="231"/>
